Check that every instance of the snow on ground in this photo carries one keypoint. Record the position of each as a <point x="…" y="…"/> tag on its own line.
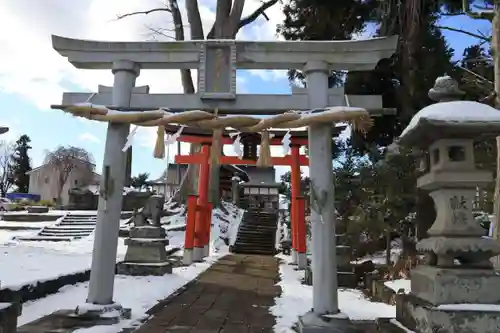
<point x="29" y="225"/>
<point x="378" y="258"/>
<point x="50" y="212"/>
<point x="296" y="299"/>
<point x="44" y="260"/>
<point x="396" y="285"/>
<point x="137" y="293"/>
<point x="225" y="226"/>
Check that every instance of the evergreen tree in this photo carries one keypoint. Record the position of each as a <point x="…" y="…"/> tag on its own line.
<point x="22" y="163"/>
<point x="324" y="20"/>
<point x="140" y="181"/>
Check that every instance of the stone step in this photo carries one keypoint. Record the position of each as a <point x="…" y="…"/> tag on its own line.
<point x="254" y="251"/>
<point x="66" y="227"/>
<point x="258" y="225"/>
<point x="65" y="233"/>
<point x="260" y="231"/>
<point x="78" y="223"/>
<point x="80" y="220"/>
<point x="256" y="237"/>
<point x="81" y="216"/>
<point x="46" y="238"/>
<point x="261" y="217"/>
<point x="257" y="234"/>
<point x="253" y="244"/>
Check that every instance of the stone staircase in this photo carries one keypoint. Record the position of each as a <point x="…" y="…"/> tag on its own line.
<point x="71" y="227"/>
<point x="257" y="233"/>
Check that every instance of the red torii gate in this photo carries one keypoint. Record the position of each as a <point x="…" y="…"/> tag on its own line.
<point x="199" y="210"/>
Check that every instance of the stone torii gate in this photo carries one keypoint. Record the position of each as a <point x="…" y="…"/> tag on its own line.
<point x="217" y="61"/>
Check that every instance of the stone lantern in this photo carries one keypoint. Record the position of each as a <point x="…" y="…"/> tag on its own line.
<point x="456" y="290"/>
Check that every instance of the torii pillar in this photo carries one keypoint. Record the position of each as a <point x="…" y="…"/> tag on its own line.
<point x="324" y="264"/>
<point x="102" y="272"/>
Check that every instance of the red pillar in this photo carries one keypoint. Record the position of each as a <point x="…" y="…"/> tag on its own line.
<point x="190" y="222"/>
<point x="295" y="189"/>
<point x="203" y="181"/>
<point x="208" y="224"/>
<point x="301" y="225"/>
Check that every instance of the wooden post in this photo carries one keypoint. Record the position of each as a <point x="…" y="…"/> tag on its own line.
<point x="192" y="203"/>
<point x="301" y="233"/>
<point x="203" y="181"/>
<point x="295" y="192"/>
<point x="208" y="226"/>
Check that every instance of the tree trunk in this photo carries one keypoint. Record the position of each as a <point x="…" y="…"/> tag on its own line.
<point x="388" y="246"/>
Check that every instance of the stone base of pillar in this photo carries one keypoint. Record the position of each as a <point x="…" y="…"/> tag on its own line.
<point x="84" y="316"/>
<point x="294" y="257"/>
<point x="206" y="251"/>
<point x="198" y="254"/>
<point x="301" y="260"/>
<point x="340" y="323"/>
<point x="187" y="258"/>
<point x="89" y="314"/>
<point x="144" y="269"/>
<point x="8" y="317"/>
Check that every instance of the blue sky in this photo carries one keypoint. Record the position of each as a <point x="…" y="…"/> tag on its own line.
<point x="26" y="111"/>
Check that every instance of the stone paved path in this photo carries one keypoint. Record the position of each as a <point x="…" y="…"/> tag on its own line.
<point x="232" y="296"/>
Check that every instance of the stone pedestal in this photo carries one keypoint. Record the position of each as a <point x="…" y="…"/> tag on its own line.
<point x="146" y="254"/>
<point x="8" y="317"/>
<point x="456" y="291"/>
<point x="345" y="270"/>
<point x="339" y="323"/>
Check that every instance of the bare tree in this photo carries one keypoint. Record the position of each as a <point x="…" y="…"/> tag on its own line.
<point x="65" y="160"/>
<point x="6" y="167"/>
<point x="228" y="21"/>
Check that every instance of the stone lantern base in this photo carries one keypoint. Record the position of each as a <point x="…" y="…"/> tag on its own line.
<point x="146" y="253"/>
<point x="345" y="271"/>
<point x="421" y="316"/>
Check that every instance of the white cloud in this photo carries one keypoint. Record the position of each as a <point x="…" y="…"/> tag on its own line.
<point x="30" y="67"/>
<point x="89" y="137"/>
<point x="12" y="134"/>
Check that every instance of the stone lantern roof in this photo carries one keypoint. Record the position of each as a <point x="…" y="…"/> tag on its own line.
<point x="450" y="118"/>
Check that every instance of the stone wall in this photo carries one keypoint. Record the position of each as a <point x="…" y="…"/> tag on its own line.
<point x="86" y="200"/>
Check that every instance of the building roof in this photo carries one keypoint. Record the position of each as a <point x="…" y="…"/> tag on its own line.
<point x="46" y="164"/>
<point x="231" y="168"/>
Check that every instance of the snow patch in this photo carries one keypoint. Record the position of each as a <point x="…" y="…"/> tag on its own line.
<point x="455" y="112"/>
<point x="296" y="299"/>
<point x="399" y="284"/>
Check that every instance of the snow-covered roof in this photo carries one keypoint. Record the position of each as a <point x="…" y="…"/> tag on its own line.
<point x="466" y="116"/>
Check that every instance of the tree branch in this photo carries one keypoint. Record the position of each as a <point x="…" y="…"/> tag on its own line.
<point x="258" y="12"/>
<point x="472" y="34"/>
<point x="235" y="16"/>
<point x="145" y="12"/>
<point x="250" y="18"/>
<point x="194" y="19"/>
<point x="186" y="78"/>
